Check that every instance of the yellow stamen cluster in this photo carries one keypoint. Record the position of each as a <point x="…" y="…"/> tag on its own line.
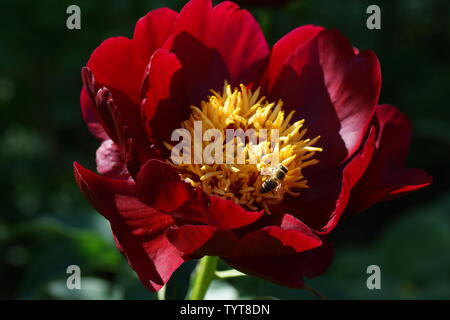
<point x="240" y="108"/>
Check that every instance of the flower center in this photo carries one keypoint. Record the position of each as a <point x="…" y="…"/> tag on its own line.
<point x="259" y="153"/>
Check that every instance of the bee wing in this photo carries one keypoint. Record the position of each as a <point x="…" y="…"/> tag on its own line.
<point x="279" y="189"/>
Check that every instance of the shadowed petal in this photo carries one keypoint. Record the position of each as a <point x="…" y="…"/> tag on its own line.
<point x="288" y="270"/>
<point x="387" y="176"/>
<point x="161" y="187"/>
<point x="165" y="105"/>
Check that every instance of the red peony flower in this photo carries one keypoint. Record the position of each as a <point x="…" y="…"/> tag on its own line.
<point x="213" y="65"/>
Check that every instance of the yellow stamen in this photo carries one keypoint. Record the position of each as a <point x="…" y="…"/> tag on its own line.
<point x="240" y="108"/>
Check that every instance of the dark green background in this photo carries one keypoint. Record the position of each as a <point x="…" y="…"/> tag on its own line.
<point x="46" y="225"/>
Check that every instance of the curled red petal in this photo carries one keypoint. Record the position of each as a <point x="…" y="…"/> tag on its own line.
<point x="387" y="176"/>
<point x="138" y="228"/>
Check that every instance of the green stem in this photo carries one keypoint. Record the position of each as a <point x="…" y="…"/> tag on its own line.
<point x="229" y="274"/>
<point x="161" y="294"/>
<point x="204" y="274"/>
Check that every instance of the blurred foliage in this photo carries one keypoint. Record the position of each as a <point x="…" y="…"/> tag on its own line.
<point x="46" y="225"/>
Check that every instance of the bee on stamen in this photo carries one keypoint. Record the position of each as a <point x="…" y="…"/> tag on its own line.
<point x="275" y="180"/>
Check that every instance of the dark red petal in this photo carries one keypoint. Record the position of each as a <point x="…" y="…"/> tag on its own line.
<point x="321" y="206"/>
<point x="288" y="270"/>
<point x="387" y="175"/>
<point x="192" y="211"/>
<point x="109" y="161"/>
<point x="353" y="82"/>
<point x="161" y="187"/>
<point x="91" y="117"/>
<point x="227" y="215"/>
<point x="291" y="237"/>
<point x="139" y="229"/>
<point x="217" y="44"/>
<point x="165" y="105"/>
<point x="333" y="89"/>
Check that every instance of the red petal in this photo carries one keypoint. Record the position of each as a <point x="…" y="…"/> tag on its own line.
<point x="109" y="161"/>
<point x="288" y="270"/>
<point x="193" y="211"/>
<point x="139" y="229"/>
<point x="353" y="172"/>
<point x="151" y="32"/>
<point x="115" y="67"/>
<point x="166" y="105"/>
<point x="353" y="82"/>
<point x="119" y="63"/>
<point x="227" y="215"/>
<point x="161" y="187"/>
<point x="285" y="47"/>
<point x="292" y="236"/>
<point x="387" y="175"/>
<point x="217" y="44"/>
